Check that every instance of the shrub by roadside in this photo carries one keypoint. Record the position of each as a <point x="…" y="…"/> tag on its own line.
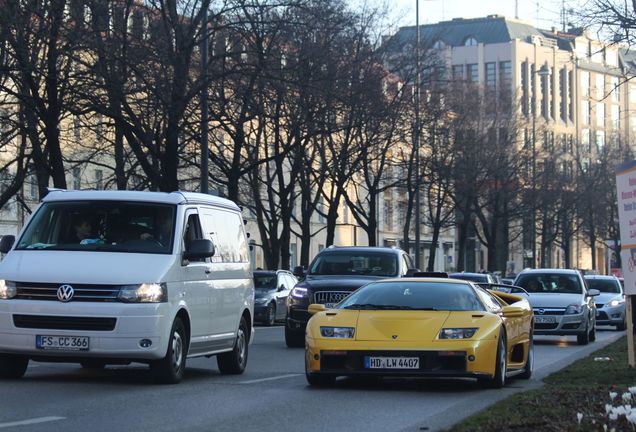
<point x="593" y="394"/>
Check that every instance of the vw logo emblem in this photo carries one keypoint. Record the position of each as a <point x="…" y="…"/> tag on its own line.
<point x="540" y="311"/>
<point x="394" y="336"/>
<point x="65" y="293"/>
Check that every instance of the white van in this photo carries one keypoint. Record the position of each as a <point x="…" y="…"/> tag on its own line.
<point x="112" y="277"/>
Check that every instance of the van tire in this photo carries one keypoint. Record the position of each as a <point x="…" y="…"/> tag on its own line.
<point x="13" y="366"/>
<point x="234" y="362"/>
<point x="170" y="369"/>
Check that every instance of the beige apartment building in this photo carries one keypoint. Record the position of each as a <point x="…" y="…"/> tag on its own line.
<point x="571" y="89"/>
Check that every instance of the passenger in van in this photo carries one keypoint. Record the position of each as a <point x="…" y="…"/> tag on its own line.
<point x="82" y="230"/>
<point x="161" y="232"/>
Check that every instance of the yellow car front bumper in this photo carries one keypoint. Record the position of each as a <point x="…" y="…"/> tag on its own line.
<point x="443" y="358"/>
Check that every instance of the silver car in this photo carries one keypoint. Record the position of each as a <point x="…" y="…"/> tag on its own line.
<point x="610" y="303"/>
<point x="562" y="303"/>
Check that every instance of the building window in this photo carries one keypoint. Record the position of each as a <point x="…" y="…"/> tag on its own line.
<point x="472" y="74"/>
<point x="616" y="94"/>
<point x="438" y="45"/>
<point x="458" y="72"/>
<point x="77" y="179"/>
<point x="545" y="97"/>
<point x="600" y="140"/>
<point x="505" y="72"/>
<point x="470" y="41"/>
<point x="616" y="117"/>
<point x="585" y="84"/>
<point x="585" y="140"/>
<point x="600" y="86"/>
<point x="525" y="93"/>
<point x="563" y="88"/>
<point x="600" y="115"/>
<point x="99" y="179"/>
<point x="585" y="112"/>
<point x="33" y="192"/>
<point x="571" y="91"/>
<point x="491" y="75"/>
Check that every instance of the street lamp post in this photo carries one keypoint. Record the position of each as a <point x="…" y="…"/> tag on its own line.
<point x="416" y="135"/>
<point x="204" y="102"/>
<point x="542" y="72"/>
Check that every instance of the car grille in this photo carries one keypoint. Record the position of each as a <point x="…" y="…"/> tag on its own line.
<point x="52" y="322"/>
<point x="549" y="311"/>
<point x="546" y="326"/>
<point x="83" y="292"/>
<point x="602" y="316"/>
<point x="599" y="305"/>
<point x="330" y="296"/>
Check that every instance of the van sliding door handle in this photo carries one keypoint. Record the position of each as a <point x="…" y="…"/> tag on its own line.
<point x="208" y="270"/>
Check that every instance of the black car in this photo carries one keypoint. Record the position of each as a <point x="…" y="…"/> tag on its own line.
<point x="333" y="274"/>
<point x="271" y="289"/>
<point x="475" y="277"/>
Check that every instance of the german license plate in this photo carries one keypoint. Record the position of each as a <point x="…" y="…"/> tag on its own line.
<point x="62" y="343"/>
<point x="391" y="363"/>
<point x="545" y="319"/>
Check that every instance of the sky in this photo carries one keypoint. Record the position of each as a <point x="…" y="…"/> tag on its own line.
<point x="542" y="13"/>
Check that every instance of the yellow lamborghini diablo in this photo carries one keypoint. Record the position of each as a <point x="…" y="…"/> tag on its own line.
<point x="421" y="327"/>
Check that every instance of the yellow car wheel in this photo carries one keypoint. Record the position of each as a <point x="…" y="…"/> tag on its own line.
<point x="529" y="366"/>
<point x="318" y="379"/>
<point x="499" y="378"/>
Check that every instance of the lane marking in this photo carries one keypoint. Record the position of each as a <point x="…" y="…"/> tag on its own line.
<point x="31" y="421"/>
<point x="269" y="379"/>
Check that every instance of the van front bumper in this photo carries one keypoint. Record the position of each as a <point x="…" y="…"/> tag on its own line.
<point x="115" y="330"/>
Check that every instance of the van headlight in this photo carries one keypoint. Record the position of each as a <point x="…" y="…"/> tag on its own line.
<point x="574" y="309"/>
<point x="616" y="302"/>
<point x="143" y="293"/>
<point x="7" y="289"/>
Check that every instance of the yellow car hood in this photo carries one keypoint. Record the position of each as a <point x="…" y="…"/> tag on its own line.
<point x="407" y="326"/>
<point x="400" y="325"/>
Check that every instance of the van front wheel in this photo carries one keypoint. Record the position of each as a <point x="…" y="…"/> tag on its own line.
<point x="169" y="370"/>
<point x="234" y="362"/>
<point x="13" y="366"/>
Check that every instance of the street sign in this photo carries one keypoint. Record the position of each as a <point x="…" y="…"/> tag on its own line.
<point x="626" y="194"/>
<point x="626" y="197"/>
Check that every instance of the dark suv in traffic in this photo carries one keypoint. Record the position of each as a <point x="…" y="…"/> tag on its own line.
<point x="334" y="274"/>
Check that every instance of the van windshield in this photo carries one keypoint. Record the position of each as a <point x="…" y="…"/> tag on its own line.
<point x="110" y="226"/>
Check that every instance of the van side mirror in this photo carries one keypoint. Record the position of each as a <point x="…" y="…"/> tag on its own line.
<point x="6" y="243"/>
<point x="593" y="292"/>
<point x="299" y="271"/>
<point x="200" y="248"/>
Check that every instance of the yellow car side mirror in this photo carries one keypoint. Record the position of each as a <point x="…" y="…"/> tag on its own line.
<point x="513" y="311"/>
<point x="315" y="308"/>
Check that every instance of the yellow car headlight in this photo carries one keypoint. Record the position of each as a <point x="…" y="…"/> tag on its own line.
<point x="457" y="333"/>
<point x="337" y="332"/>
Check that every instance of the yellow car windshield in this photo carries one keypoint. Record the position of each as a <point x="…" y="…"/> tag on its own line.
<point x="414" y="295"/>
